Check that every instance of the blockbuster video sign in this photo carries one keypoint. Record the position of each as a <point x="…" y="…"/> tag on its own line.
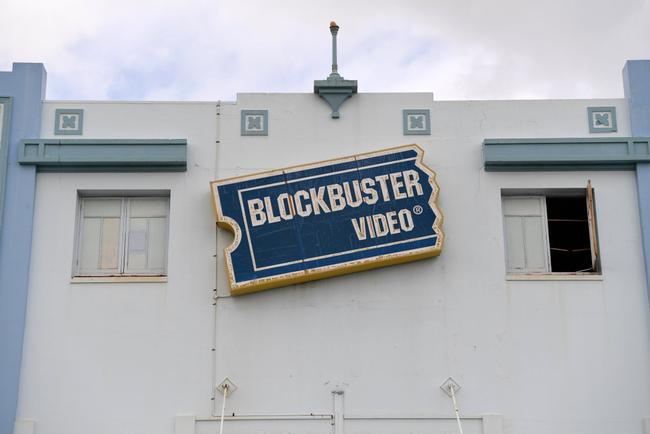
<point x="329" y="218"/>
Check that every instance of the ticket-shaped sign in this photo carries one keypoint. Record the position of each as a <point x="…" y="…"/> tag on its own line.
<point x="329" y="218"/>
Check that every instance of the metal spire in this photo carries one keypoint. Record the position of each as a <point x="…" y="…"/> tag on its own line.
<point x="334" y="30"/>
<point x="335" y="89"/>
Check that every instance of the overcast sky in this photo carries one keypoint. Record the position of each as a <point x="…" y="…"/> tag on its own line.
<point x="211" y="50"/>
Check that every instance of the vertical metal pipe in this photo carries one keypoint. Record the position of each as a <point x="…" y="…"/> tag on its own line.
<point x="223" y="408"/>
<point x="215" y="294"/>
<point x="338" y="412"/>
<point x="334" y="29"/>
<point x="453" y="398"/>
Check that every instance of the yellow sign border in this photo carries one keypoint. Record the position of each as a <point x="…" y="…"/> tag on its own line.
<point x="239" y="288"/>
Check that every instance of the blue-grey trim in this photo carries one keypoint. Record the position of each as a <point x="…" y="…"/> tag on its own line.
<point x="335" y="90"/>
<point x="105" y="155"/>
<point x="405" y="122"/>
<point x="25" y="84"/>
<point x="593" y="128"/>
<point x="616" y="153"/>
<point x="643" y="195"/>
<point x="57" y="117"/>
<point x="636" y="83"/>
<point x="265" y="129"/>
<point x="4" y="150"/>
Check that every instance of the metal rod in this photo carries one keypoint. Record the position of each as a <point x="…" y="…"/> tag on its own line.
<point x="334" y="29"/>
<point x="223" y="408"/>
<point x="270" y="417"/>
<point x="405" y="417"/>
<point x="215" y="286"/>
<point x="331" y="416"/>
<point x="453" y="398"/>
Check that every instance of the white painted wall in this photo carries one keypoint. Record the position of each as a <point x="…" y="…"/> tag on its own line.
<point x="123" y="358"/>
<point x="549" y="356"/>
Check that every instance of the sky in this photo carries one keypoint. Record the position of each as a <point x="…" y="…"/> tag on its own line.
<point x="211" y="49"/>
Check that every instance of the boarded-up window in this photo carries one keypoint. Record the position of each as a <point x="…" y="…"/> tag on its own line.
<point x="122" y="236"/>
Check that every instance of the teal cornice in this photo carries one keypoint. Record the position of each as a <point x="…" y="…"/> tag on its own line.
<point x="614" y="153"/>
<point x="83" y="155"/>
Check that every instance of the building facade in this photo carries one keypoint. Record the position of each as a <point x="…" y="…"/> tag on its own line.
<point x="117" y="312"/>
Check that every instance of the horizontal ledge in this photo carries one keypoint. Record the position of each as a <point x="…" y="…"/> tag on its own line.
<point x="555" y="276"/>
<point x="108" y="141"/>
<point x="110" y="168"/>
<point x="545" y="166"/>
<point x="562" y="140"/>
<point x="526" y="154"/>
<point x="119" y="279"/>
<point x="105" y="155"/>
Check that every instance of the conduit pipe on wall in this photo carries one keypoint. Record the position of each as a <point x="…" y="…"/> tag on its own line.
<point x="223" y="408"/>
<point x="339" y="411"/>
<point x="453" y="398"/>
<point x="215" y="287"/>
<point x="233" y="416"/>
<point x="405" y="417"/>
<point x="313" y="416"/>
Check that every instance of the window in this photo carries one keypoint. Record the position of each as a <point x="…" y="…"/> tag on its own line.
<point x="550" y="231"/>
<point x="122" y="236"/>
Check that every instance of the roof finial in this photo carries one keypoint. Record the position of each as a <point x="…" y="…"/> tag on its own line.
<point x="335" y="89"/>
<point x="334" y="29"/>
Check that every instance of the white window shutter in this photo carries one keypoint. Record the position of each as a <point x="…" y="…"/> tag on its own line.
<point x="110" y="245"/>
<point x="88" y="255"/>
<point x="137" y="245"/>
<point x="525" y="235"/>
<point x="536" y="246"/>
<point x="147" y="236"/>
<point x="100" y="236"/>
<point x="515" y="245"/>
<point x="157" y="247"/>
<point x="593" y="237"/>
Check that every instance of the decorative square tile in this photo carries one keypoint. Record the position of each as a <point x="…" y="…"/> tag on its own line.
<point x="254" y="122"/>
<point x="68" y="121"/>
<point x="601" y="119"/>
<point x="416" y="122"/>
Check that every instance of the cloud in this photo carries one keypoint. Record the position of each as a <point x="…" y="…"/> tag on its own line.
<point x="210" y="50"/>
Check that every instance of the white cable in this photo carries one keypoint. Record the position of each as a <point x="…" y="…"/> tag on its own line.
<point x="453" y="398"/>
<point x="223" y="407"/>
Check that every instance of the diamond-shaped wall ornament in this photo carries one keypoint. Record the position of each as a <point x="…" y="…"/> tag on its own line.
<point x="68" y="121"/>
<point x="228" y="385"/>
<point x="601" y="119"/>
<point x="449" y="384"/>
<point x="254" y="122"/>
<point x="416" y="122"/>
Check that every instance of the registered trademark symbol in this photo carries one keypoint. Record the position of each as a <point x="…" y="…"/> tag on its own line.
<point x="417" y="210"/>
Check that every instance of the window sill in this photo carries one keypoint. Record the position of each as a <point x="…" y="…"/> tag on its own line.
<point x="555" y="276"/>
<point x="118" y="279"/>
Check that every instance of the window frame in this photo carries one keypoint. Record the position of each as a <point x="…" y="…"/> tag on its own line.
<point x="125" y="197"/>
<point x="592" y="222"/>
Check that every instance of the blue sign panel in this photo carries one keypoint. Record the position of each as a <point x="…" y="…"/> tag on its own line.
<point x="319" y="220"/>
